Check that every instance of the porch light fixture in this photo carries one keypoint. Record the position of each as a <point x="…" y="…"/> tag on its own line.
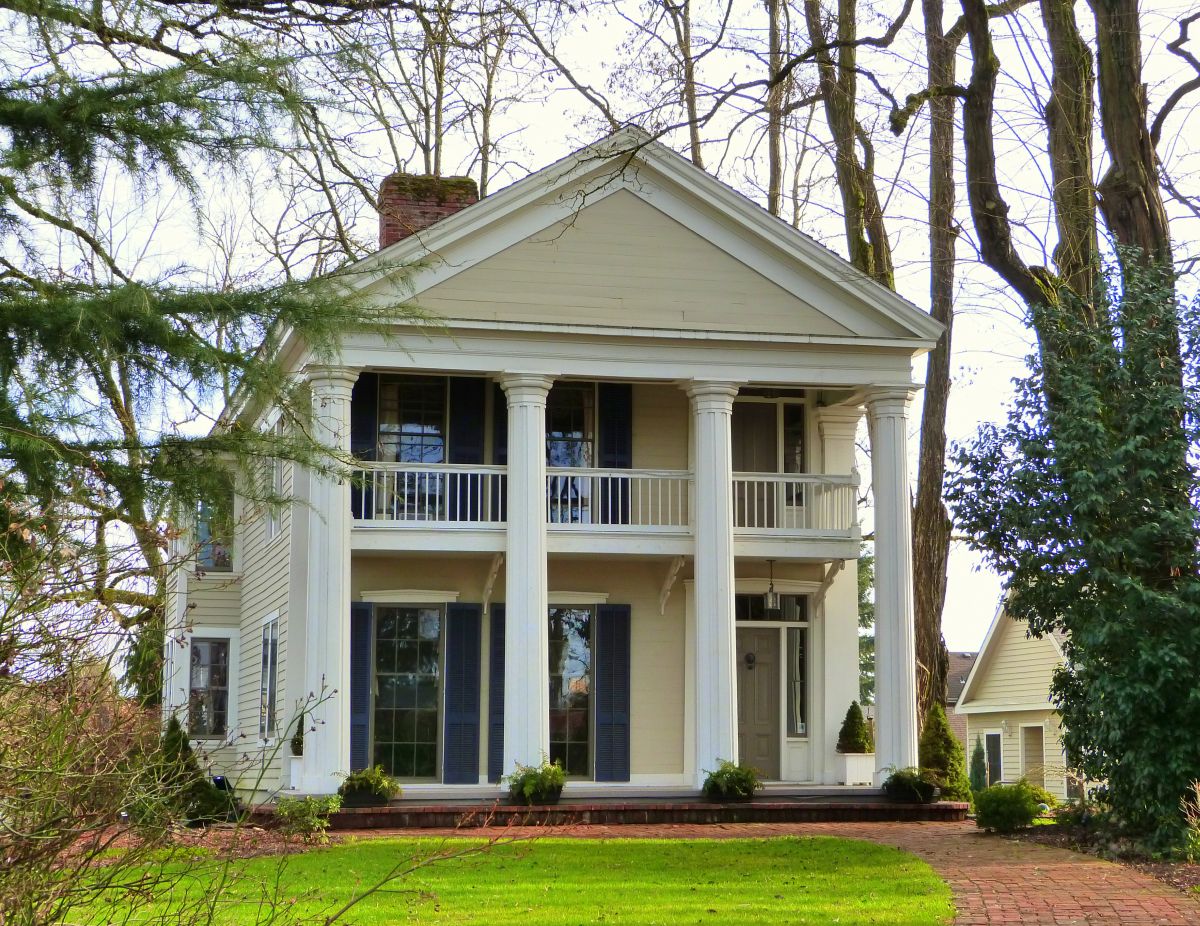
<point x="771" y="598"/>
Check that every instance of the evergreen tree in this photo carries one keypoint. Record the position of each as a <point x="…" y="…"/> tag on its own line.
<point x="1085" y="500"/>
<point x="866" y="625"/>
<point x="109" y="365"/>
<point x="855" y="735"/>
<point x="941" y="753"/>
<point x="978" y="774"/>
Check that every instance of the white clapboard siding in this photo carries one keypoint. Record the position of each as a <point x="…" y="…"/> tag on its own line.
<point x="660" y="426"/>
<point x="1017" y="671"/>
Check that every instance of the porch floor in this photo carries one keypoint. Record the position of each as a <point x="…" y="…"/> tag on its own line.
<point x="774" y="805"/>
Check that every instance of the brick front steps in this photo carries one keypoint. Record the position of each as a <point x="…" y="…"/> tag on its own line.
<point x="464" y="815"/>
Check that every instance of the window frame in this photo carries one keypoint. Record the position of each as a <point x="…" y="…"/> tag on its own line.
<point x="592" y="607"/>
<point x="232" y="636"/>
<point x="229" y="543"/>
<point x="268" y="680"/>
<point x="801" y="403"/>
<point x="999" y="777"/>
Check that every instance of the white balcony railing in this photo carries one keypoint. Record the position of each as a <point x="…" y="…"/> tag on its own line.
<point x="453" y="495"/>
<point x="424" y="493"/>
<point x="651" y="500"/>
<point x="772" y="503"/>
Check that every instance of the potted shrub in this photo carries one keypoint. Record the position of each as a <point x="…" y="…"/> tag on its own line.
<point x="731" y="782"/>
<point x="911" y="786"/>
<point x="371" y="787"/>
<point x="855" y="749"/>
<point x="296" y="745"/>
<point x="536" y="784"/>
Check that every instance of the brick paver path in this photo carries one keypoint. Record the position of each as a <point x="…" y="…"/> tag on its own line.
<point x="994" y="880"/>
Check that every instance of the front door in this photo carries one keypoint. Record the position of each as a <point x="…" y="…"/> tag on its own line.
<point x="758" y="699"/>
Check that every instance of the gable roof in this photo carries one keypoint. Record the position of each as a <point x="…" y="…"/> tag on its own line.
<point x="627" y="159"/>
<point x="990" y="647"/>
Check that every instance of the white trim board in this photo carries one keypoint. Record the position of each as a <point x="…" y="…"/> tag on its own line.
<point x="409" y="596"/>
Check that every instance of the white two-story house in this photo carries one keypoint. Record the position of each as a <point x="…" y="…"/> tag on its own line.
<point x="604" y="511"/>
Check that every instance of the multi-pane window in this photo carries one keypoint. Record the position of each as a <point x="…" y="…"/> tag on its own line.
<point x="208" y="687"/>
<point x="571" y="689"/>
<point x="570" y="441"/>
<point x="412" y="419"/>
<point x="214" y="535"/>
<point x="407" y="675"/>
<point x="754" y="608"/>
<point x="268" y="674"/>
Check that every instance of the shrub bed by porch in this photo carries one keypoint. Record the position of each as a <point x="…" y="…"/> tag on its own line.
<point x="790" y="880"/>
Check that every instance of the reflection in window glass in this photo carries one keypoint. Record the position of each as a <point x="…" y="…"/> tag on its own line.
<point x="571" y="689"/>
<point x="407" y="673"/>
<point x="208" y="690"/>
<point x="797" y="681"/>
<point x="268" y="673"/>
<point x="570" y="441"/>
<point x="753" y="608"/>
<point x="412" y="419"/>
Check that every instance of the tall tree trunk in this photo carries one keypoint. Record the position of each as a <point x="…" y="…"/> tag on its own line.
<point x="931" y="523"/>
<point x="775" y="97"/>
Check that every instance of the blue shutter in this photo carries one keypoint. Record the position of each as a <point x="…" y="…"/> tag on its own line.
<point x="613" y="624"/>
<point x="615" y="449"/>
<point x="496" y="696"/>
<point x="361" y="630"/>
<point x="464" y="496"/>
<point x="500" y="450"/>
<point x="364" y="436"/>
<point x="460" y="731"/>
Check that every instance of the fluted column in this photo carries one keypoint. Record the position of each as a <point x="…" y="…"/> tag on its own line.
<point x="716" y="691"/>
<point x="895" y="646"/>
<point x="327" y="622"/>
<point x="526" y="617"/>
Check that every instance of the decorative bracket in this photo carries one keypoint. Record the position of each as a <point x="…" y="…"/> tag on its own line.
<point x="669" y="583"/>
<point x="490" y="582"/>
<point x="834" y="568"/>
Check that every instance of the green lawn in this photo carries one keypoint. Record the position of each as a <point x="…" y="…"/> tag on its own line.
<point x="577" y="881"/>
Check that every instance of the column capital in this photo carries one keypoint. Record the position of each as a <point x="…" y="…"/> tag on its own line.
<point x="525" y="387"/>
<point x="838" y="421"/>
<point x="890" y="401"/>
<point x="331" y="378"/>
<point x="715" y="395"/>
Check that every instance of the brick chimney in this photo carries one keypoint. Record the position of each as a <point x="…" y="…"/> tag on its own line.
<point x="409" y="203"/>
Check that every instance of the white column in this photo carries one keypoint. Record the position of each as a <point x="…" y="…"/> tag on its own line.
<point x="715" y="676"/>
<point x="526" y="617"/>
<point x="327" y="622"/>
<point x="895" y="648"/>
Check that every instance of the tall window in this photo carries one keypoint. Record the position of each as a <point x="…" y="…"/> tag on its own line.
<point x="268" y="672"/>
<point x="214" y="535"/>
<point x="412" y="419"/>
<point x="571" y="689"/>
<point x="994" y="753"/>
<point x="407" y="675"/>
<point x="208" y="691"/>
<point x="797" y="681"/>
<point x="275" y="488"/>
<point x="570" y="441"/>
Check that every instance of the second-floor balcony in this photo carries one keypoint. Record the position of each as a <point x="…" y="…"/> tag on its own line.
<point x="450" y="496"/>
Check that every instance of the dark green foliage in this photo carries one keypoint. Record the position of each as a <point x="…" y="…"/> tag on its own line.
<point x="373" y="782"/>
<point x="306" y="817"/>
<point x="536" y="784"/>
<point x="855" y="735"/>
<point x="978" y="773"/>
<point x="911" y="785"/>
<point x="731" y="781"/>
<point x="1043" y="796"/>
<point x="190" y="794"/>
<point x="1086" y="501"/>
<point x="1006" y="808"/>
<point x="942" y="754"/>
<point x="866" y="625"/>
<point x="297" y="740"/>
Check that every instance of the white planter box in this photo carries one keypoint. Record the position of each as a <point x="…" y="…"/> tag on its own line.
<point x="291" y="771"/>
<point x="855" y="768"/>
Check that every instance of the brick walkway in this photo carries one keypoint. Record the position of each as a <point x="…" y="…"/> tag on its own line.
<point x="994" y="880"/>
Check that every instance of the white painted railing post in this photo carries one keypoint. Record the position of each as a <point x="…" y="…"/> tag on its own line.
<point x="327" y="622"/>
<point x="526" y="617"/>
<point x="895" y="647"/>
<point x="716" y="694"/>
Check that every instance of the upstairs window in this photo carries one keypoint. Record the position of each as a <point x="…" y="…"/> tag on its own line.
<point x="214" y="534"/>
<point x="412" y="419"/>
<point x="275" y="489"/>
<point x="571" y="425"/>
